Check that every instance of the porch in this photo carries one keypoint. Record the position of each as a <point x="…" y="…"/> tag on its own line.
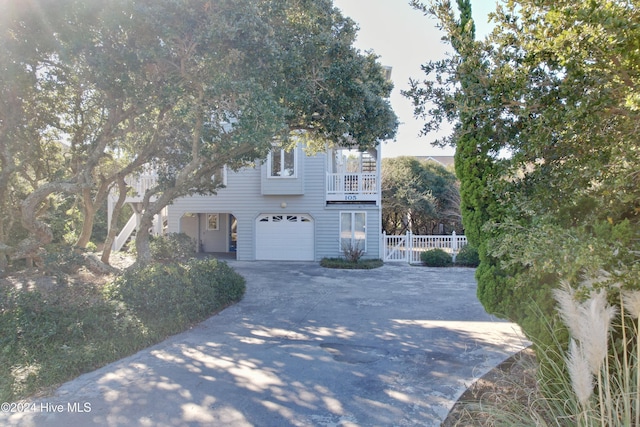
<point x="139" y="184"/>
<point x="353" y="176"/>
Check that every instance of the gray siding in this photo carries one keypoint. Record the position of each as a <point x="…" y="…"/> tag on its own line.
<point x="285" y="185"/>
<point x="241" y="197"/>
<point x="244" y="198"/>
<point x="215" y="240"/>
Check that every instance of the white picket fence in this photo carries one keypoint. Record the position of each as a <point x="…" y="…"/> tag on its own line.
<point x="408" y="247"/>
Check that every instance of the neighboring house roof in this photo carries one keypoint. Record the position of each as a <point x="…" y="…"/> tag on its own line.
<point x="445" y="161"/>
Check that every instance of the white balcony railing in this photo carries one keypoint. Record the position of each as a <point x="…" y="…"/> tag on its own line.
<point x="340" y="186"/>
<point x="352" y="187"/>
<point x="140" y="184"/>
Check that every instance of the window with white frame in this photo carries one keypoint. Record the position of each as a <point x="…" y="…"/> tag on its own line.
<point x="213" y="222"/>
<point x="281" y="163"/>
<point x="353" y="230"/>
<point x="220" y="176"/>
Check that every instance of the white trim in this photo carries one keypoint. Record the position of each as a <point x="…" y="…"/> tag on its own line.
<point x="283" y="152"/>
<point x="353" y="231"/>
<point x="223" y="171"/>
<point x="285" y="237"/>
<point x="217" y="222"/>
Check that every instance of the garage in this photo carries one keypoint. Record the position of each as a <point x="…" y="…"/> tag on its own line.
<point x="285" y="237"/>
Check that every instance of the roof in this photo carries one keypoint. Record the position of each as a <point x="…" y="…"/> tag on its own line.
<point x="445" y="161"/>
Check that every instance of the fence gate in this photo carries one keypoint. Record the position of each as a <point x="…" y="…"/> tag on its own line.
<point x="396" y="248"/>
<point x="409" y="247"/>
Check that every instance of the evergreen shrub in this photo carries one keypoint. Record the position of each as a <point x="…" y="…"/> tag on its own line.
<point x="175" y="295"/>
<point x="436" y="258"/>
<point x="173" y="247"/>
<point x="468" y="257"/>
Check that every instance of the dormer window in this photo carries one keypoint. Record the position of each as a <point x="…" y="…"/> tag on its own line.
<point x="281" y="163"/>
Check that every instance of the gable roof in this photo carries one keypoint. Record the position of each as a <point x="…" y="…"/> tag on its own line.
<point x="445" y="161"/>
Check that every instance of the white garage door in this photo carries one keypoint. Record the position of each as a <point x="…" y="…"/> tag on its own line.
<point x="284" y="237"/>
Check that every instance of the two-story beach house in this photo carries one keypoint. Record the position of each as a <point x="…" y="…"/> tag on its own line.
<point x="291" y="206"/>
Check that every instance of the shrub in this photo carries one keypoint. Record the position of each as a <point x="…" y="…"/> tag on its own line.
<point x="468" y="256"/>
<point x="366" y="264"/>
<point x="173" y="247"/>
<point x="217" y="284"/>
<point x="594" y="380"/>
<point x="175" y="295"/>
<point x="351" y="252"/>
<point x="62" y="260"/>
<point x="436" y="258"/>
<point x="50" y="336"/>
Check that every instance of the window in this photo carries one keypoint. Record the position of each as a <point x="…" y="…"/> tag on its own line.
<point x="353" y="230"/>
<point x="220" y="176"/>
<point x="213" y="222"/>
<point x="282" y="163"/>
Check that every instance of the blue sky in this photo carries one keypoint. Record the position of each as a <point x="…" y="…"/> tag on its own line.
<point x="404" y="39"/>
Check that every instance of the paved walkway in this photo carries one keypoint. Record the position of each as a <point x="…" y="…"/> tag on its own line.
<point x="307" y="346"/>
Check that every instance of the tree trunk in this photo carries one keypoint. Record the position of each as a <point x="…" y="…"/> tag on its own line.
<point x="40" y="233"/>
<point x="143" y="247"/>
<point x="96" y="265"/>
<point x="90" y="206"/>
<point x="149" y="210"/>
<point x="88" y="216"/>
<point x="113" y="226"/>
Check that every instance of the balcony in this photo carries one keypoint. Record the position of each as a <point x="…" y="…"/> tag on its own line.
<point x="139" y="184"/>
<point x="352" y="187"/>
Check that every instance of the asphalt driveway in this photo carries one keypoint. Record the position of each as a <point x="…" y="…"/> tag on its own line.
<point x="307" y="346"/>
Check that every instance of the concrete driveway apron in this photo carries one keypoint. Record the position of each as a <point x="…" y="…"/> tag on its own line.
<point x="307" y="346"/>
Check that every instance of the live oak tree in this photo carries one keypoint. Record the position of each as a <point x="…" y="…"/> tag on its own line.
<point x="546" y="111"/>
<point x="418" y="196"/>
<point x="61" y="76"/>
<point x="254" y="75"/>
<point x="179" y="87"/>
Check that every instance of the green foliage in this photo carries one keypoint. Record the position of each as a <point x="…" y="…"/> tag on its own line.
<point x="100" y="226"/>
<point x="216" y="281"/>
<point x="436" y="258"/>
<point x="595" y="380"/>
<point x="546" y="146"/>
<point x="51" y="335"/>
<point x="50" y="338"/>
<point x="341" y="263"/>
<point x="64" y="218"/>
<point x="174" y="247"/>
<point x="91" y="93"/>
<point x="62" y="260"/>
<point x="425" y="192"/>
<point x="175" y="295"/>
<point x="468" y="257"/>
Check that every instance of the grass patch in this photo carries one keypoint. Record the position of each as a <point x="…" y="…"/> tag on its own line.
<point x="362" y="264"/>
<point x="55" y="333"/>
